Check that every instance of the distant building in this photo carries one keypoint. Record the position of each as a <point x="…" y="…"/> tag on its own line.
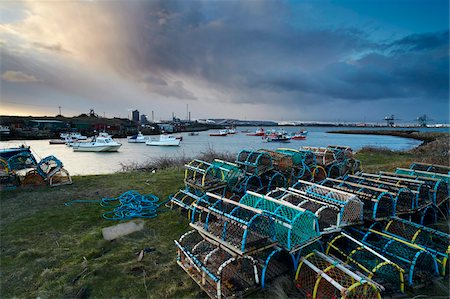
<point x="144" y="119"/>
<point x="47" y="124"/>
<point x="135" y="115"/>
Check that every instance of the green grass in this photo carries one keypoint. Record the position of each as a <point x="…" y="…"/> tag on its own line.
<point x="50" y="250"/>
<point x="376" y="159"/>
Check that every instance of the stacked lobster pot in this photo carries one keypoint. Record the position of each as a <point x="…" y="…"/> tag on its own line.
<point x="430" y="193"/>
<point x="433" y="241"/>
<point x="305" y="166"/>
<point x="321" y="276"/>
<point x="201" y="176"/>
<point x="420" y="265"/>
<point x="334" y="209"/>
<point x="368" y="261"/>
<point x="19" y="167"/>
<point x="237" y="247"/>
<point x="379" y="204"/>
<point x="405" y="198"/>
<point x="336" y="160"/>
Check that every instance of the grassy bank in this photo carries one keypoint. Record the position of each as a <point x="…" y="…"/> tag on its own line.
<point x="50" y="250"/>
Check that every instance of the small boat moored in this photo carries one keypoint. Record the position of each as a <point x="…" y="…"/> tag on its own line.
<point x="138" y="138"/>
<point x="280" y="136"/>
<point x="259" y="132"/>
<point x="222" y="133"/>
<point x="101" y="143"/>
<point x="164" y="140"/>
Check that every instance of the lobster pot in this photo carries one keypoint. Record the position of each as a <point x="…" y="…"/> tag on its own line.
<point x="32" y="179"/>
<point x="366" y="260"/>
<point x="320" y="276"/>
<point x="318" y="174"/>
<point x="325" y="156"/>
<point x="349" y="206"/>
<point x="424" y="174"/>
<point x="434" y="241"/>
<point x="294" y="227"/>
<point x="351" y="166"/>
<point x="273" y="263"/>
<point x="425" y="216"/>
<point x="23" y="160"/>
<point x="247" y="183"/>
<point x="328" y="212"/>
<point x="280" y="161"/>
<point x="421" y="189"/>
<point x="51" y="169"/>
<point x="406" y="199"/>
<point x="272" y="180"/>
<point x="186" y="203"/>
<point x="419" y="264"/>
<point x="215" y="270"/>
<point x="346" y="150"/>
<point x="8" y="180"/>
<point x="335" y="169"/>
<point x="236" y="227"/>
<point x="379" y="204"/>
<point x="231" y="171"/>
<point x="439" y="190"/>
<point x="254" y="162"/>
<point x="430" y="167"/>
<point x="204" y="176"/>
<point x="299" y="156"/>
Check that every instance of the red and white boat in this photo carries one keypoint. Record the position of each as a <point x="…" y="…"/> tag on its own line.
<point x="299" y="135"/>
<point x="259" y="132"/>
<point x="220" y="133"/>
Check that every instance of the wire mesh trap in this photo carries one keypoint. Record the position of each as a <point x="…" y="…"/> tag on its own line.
<point x="320" y="276"/>
<point x="430" y="167"/>
<point x="52" y="170"/>
<point x="426" y="191"/>
<point x="431" y="240"/>
<point x="206" y="176"/>
<point x="281" y="161"/>
<point x="240" y="228"/>
<point x="186" y="202"/>
<point x="379" y="204"/>
<point x="405" y="198"/>
<point x="439" y="188"/>
<point x="294" y="227"/>
<point x="216" y="271"/>
<point x="335" y="209"/>
<point x="419" y="264"/>
<point x="371" y="263"/>
<point x="425" y="174"/>
<point x="254" y="162"/>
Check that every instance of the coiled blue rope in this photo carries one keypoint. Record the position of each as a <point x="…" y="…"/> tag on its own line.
<point x="128" y="205"/>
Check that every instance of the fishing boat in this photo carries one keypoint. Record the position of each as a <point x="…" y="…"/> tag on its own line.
<point x="280" y="136"/>
<point x="259" y="132"/>
<point x="193" y="133"/>
<point x="220" y="133"/>
<point x="164" y="140"/>
<point x="101" y="143"/>
<point x="231" y="130"/>
<point x="57" y="141"/>
<point x="138" y="138"/>
<point x="299" y="135"/>
<point x="73" y="135"/>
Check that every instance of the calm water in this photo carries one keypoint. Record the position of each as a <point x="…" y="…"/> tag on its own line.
<point x="78" y="163"/>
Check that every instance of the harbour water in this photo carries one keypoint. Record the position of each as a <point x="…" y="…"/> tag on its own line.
<point x="83" y="163"/>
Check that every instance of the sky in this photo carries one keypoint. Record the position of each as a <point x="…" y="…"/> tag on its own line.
<point x="323" y="60"/>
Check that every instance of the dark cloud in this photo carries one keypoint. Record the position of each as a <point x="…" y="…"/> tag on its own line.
<point x="262" y="52"/>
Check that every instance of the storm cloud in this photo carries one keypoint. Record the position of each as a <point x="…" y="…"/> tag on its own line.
<point x="218" y="56"/>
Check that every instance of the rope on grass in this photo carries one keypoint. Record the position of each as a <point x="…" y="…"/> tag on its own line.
<point x="128" y="205"/>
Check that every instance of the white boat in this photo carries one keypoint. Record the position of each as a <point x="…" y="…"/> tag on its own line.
<point x="139" y="138"/>
<point x="101" y="143"/>
<point x="4" y="130"/>
<point x="164" y="140"/>
<point x="73" y="135"/>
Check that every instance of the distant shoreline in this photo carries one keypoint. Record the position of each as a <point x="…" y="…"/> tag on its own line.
<point x="425" y="137"/>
